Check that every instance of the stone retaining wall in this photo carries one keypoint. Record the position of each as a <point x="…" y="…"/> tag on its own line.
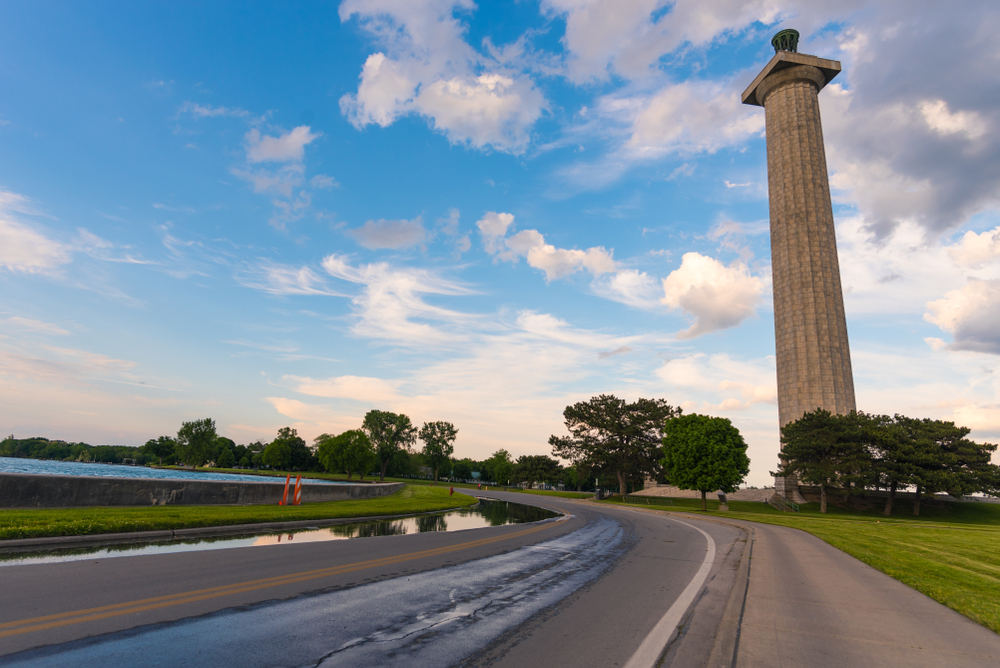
<point x="25" y="490"/>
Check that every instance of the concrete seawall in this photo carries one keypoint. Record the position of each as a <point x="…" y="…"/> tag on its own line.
<point x="25" y="490"/>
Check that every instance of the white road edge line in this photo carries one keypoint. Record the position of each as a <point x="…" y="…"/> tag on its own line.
<point x="649" y="651"/>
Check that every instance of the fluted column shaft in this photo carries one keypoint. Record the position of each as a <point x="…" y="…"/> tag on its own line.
<point x="811" y="346"/>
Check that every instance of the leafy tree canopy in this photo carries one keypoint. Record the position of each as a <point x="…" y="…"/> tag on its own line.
<point x="196" y="441"/>
<point x="501" y="467"/>
<point x="161" y="447"/>
<point x="536" y="468"/>
<point x="226" y="459"/>
<point x="389" y="433"/>
<point x="607" y="433"/>
<point x="288" y="451"/>
<point x="462" y="469"/>
<point x="704" y="453"/>
<point x="351" y="452"/>
<point x="439" y="444"/>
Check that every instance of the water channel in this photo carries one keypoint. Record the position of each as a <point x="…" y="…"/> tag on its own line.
<point x="51" y="467"/>
<point x="486" y="513"/>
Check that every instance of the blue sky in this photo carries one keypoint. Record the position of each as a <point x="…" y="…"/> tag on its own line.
<point x="291" y="214"/>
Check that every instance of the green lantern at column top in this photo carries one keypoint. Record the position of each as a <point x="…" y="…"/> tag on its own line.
<point x="786" y="40"/>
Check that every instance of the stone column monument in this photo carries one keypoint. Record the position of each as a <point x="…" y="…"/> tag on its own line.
<point x="810" y="330"/>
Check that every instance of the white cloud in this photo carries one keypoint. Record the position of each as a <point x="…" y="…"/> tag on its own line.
<point x="393" y="234"/>
<point x="279" y="279"/>
<point x="38" y="326"/>
<point x="391" y="305"/>
<point x="25" y="249"/>
<point x="287" y="147"/>
<point x="355" y="388"/>
<point x="530" y="244"/>
<point x="917" y="143"/>
<point x="976" y="249"/>
<point x="735" y="384"/>
<point x="899" y="272"/>
<point x="427" y="68"/>
<point x="629" y="39"/>
<point x="323" y="182"/>
<point x="488" y="110"/>
<point x="717" y="296"/>
<point x="493" y="228"/>
<point x="971" y="315"/>
<point x="630" y="286"/>
<point x="284" y="179"/>
<point x="384" y="93"/>
<point x="690" y="117"/>
<point x="946" y="122"/>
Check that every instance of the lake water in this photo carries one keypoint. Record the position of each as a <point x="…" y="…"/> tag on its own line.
<point x="46" y="467"/>
<point x="487" y="513"/>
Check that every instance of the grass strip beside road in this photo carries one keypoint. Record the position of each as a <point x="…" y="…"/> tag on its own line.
<point x="409" y="481"/>
<point x="44" y="522"/>
<point x="952" y="555"/>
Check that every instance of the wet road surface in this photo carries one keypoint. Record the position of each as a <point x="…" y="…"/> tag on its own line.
<point x="587" y="588"/>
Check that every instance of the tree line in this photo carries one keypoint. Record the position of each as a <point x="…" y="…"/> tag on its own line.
<point x="861" y="451"/>
<point x="650" y="439"/>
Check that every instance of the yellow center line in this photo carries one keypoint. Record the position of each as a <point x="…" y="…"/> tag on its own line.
<point x="118" y="609"/>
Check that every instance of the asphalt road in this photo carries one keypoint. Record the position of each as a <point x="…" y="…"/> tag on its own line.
<point x="606" y="586"/>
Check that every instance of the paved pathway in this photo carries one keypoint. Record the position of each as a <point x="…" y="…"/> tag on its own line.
<point x="811" y="605"/>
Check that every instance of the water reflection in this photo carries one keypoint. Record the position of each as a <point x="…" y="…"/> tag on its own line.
<point x="487" y="513"/>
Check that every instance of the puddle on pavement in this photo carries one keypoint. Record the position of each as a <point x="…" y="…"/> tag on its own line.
<point x="487" y="513"/>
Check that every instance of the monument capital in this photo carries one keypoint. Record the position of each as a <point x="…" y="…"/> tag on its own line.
<point x="783" y="60"/>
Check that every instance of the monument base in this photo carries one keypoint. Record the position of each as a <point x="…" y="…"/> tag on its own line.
<point x="788" y="487"/>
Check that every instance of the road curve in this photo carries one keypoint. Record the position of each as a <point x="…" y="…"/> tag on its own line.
<point x="588" y="588"/>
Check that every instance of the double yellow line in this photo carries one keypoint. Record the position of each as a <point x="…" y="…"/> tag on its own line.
<point x="118" y="609"/>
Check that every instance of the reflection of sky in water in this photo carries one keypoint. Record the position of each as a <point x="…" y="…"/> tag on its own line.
<point x="47" y="467"/>
<point x="486" y="513"/>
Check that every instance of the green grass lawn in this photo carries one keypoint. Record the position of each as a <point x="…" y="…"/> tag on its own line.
<point x="34" y="523"/>
<point x="951" y="552"/>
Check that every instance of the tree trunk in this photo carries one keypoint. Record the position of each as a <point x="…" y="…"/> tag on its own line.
<point x="822" y="498"/>
<point x="916" y="502"/>
<point x="349" y="472"/>
<point x="385" y="465"/>
<point x="622" y="489"/>
<point x="435" y="475"/>
<point x="704" y="503"/>
<point x="892" y="497"/>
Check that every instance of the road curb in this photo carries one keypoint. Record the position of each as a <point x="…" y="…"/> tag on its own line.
<point x="727" y="636"/>
<point x="26" y="544"/>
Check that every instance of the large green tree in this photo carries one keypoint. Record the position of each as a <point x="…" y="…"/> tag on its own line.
<point x="161" y="447"/>
<point x="536" y="468"/>
<point x="288" y="451"/>
<point x="825" y="450"/>
<point x="226" y="459"/>
<point x="704" y="453"/>
<point x="462" y="469"/>
<point x="196" y="441"/>
<point x="439" y="444"/>
<point x="389" y="433"/>
<point x="945" y="461"/>
<point x="607" y="433"/>
<point x="501" y="467"/>
<point x="350" y="452"/>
